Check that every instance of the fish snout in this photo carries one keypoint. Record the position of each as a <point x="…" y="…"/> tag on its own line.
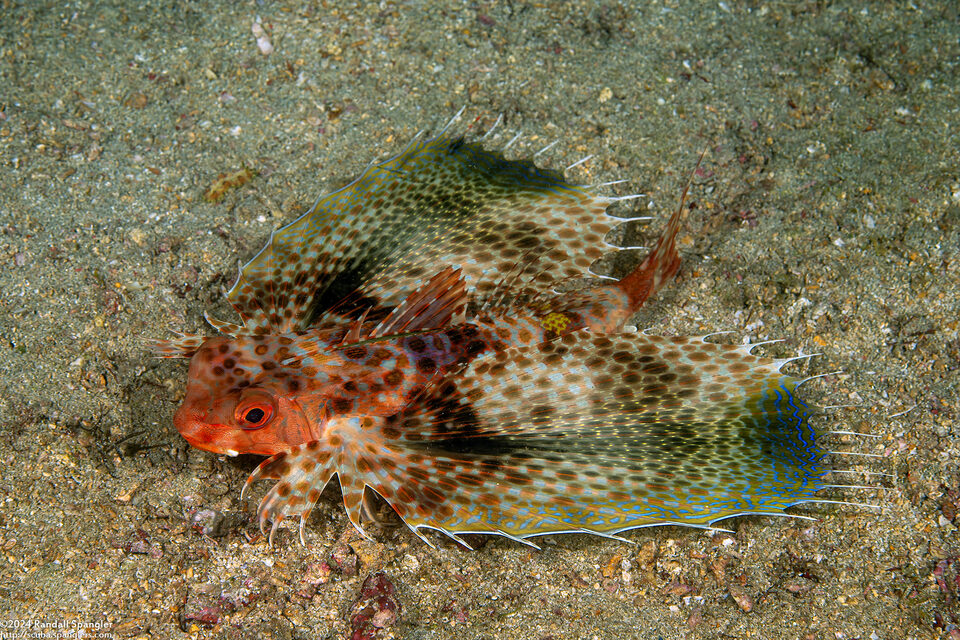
<point x="192" y="425"/>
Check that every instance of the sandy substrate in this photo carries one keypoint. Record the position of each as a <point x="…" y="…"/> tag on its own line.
<point x="826" y="212"/>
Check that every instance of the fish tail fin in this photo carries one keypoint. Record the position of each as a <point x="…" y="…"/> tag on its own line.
<point x="662" y="263"/>
<point x="656" y="269"/>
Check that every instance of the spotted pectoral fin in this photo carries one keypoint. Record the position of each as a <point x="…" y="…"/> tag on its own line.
<point x="442" y="201"/>
<point x="603" y="434"/>
<point x="587" y="433"/>
<point x="303" y="472"/>
<point x="365" y="456"/>
<point x="409" y="482"/>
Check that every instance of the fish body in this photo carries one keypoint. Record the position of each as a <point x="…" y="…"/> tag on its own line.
<point x="407" y="336"/>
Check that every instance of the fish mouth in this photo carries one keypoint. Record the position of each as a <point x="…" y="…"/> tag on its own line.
<point x="199" y="439"/>
<point x="201" y="434"/>
<point x="214" y="437"/>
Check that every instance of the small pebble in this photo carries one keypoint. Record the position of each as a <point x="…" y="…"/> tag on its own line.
<point x="410" y="563"/>
<point x="263" y="40"/>
<point x="741" y="597"/>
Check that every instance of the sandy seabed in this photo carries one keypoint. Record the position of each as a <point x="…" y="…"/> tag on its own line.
<point x="826" y="212"/>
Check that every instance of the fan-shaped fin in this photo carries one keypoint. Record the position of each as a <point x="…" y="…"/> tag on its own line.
<point x="604" y="434"/>
<point x="442" y="201"/>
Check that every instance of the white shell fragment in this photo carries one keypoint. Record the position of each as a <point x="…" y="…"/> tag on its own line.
<point x="263" y="40"/>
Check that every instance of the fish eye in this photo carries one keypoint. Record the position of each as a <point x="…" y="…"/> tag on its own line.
<point x="255" y="413"/>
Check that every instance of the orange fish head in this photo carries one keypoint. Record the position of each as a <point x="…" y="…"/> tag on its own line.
<point x="227" y="410"/>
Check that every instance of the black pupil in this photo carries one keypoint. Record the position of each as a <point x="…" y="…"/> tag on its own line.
<point x="254" y="416"/>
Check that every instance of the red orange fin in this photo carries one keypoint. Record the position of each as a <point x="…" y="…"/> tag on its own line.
<point x="662" y="263"/>
<point x="434" y="305"/>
